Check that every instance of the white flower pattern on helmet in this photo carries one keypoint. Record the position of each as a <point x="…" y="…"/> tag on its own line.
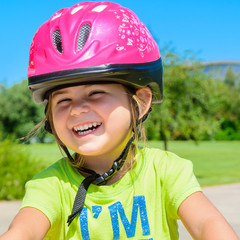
<point x="132" y="32"/>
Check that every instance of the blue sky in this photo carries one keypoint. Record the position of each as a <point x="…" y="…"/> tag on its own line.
<point x="208" y="28"/>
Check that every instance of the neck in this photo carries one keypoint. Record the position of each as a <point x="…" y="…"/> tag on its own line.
<point x="103" y="163"/>
<point x="102" y="166"/>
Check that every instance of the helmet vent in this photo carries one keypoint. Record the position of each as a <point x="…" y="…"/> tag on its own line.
<point x="83" y="35"/>
<point x="57" y="40"/>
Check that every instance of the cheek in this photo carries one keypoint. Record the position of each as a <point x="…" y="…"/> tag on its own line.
<point x="120" y="119"/>
<point x="58" y="121"/>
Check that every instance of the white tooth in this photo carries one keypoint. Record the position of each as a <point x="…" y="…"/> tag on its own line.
<point x="86" y="127"/>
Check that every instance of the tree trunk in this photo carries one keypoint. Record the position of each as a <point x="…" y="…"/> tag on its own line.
<point x="165" y="144"/>
<point x="164" y="138"/>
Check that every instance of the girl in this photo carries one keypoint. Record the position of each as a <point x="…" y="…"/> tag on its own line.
<point x="97" y="70"/>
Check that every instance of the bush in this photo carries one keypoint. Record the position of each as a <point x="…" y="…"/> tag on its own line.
<point x="16" y="168"/>
<point x="227" y="134"/>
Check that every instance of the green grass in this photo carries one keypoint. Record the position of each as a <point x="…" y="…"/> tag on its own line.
<point x="214" y="162"/>
<point x="48" y="153"/>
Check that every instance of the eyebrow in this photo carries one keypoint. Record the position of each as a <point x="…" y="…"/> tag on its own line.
<point x="58" y="92"/>
<point x="62" y="91"/>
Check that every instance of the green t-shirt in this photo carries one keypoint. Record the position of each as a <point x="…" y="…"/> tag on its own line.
<point x="142" y="205"/>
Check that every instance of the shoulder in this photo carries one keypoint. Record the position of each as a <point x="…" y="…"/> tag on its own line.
<point x="48" y="178"/>
<point x="165" y="166"/>
<point x="54" y="180"/>
<point x="174" y="172"/>
<point x="59" y="170"/>
<point x="163" y="158"/>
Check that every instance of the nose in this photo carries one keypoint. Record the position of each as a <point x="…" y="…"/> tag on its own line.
<point x="79" y="107"/>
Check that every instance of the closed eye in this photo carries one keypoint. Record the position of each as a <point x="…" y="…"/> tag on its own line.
<point x="96" y="92"/>
<point x="63" y="100"/>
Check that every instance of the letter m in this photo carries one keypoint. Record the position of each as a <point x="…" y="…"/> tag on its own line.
<point x="130" y="227"/>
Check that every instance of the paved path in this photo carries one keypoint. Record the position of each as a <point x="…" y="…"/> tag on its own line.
<point x="8" y="210"/>
<point x="226" y="198"/>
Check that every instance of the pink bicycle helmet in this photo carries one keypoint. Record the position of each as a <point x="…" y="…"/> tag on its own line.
<point x="91" y="42"/>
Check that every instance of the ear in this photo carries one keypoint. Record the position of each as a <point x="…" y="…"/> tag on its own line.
<point x="145" y="95"/>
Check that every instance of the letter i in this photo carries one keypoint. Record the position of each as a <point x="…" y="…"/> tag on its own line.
<point x="84" y="224"/>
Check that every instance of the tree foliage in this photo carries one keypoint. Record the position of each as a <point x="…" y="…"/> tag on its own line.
<point x="187" y="109"/>
<point x="227" y="111"/>
<point x="230" y="77"/>
<point x="18" y="111"/>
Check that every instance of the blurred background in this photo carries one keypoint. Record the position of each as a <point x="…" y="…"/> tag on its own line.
<point x="199" y="118"/>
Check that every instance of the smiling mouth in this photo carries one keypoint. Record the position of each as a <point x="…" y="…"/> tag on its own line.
<point x="86" y="128"/>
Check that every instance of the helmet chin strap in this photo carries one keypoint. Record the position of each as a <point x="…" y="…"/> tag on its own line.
<point x="117" y="164"/>
<point x="95" y="177"/>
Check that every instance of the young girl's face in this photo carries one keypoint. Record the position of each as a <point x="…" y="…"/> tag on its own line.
<point x="92" y="120"/>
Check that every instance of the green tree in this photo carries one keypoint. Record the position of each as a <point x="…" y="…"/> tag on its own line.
<point x="227" y="111"/>
<point x="19" y="114"/>
<point x="230" y="77"/>
<point x="187" y="110"/>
